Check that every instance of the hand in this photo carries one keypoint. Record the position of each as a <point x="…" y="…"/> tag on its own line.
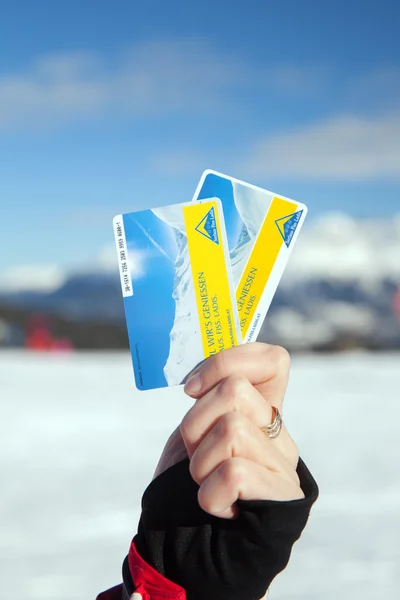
<point x="230" y="457"/>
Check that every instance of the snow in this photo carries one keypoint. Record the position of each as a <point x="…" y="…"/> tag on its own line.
<point x="78" y="445"/>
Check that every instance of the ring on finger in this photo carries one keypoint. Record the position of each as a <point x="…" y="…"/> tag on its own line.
<point x="273" y="430"/>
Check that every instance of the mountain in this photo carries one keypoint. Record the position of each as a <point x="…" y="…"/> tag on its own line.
<point x="340" y="289"/>
<point x="82" y="297"/>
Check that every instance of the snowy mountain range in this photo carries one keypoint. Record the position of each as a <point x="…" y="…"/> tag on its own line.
<point x="341" y="288"/>
<point x="342" y="283"/>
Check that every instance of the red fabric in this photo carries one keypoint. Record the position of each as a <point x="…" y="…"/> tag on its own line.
<point x="151" y="584"/>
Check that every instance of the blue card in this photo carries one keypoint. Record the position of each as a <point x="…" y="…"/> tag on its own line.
<point x="178" y="290"/>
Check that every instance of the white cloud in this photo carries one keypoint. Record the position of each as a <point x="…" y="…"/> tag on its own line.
<point x="162" y="77"/>
<point x="379" y="87"/>
<point x="36" y="278"/>
<point x="339" y="247"/>
<point x="192" y="77"/>
<point x="302" y="81"/>
<point x="108" y="258"/>
<point x="47" y="278"/>
<point x="178" y="163"/>
<point x="108" y="261"/>
<point x="152" y="78"/>
<point x="340" y="148"/>
<point x="136" y="263"/>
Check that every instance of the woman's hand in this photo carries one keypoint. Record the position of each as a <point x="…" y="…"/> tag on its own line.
<point x="230" y="457"/>
<point x="235" y="471"/>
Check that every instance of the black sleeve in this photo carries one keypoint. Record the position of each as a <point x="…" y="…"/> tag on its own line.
<point x="214" y="558"/>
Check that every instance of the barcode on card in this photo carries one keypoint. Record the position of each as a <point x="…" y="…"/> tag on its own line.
<point x="123" y="259"/>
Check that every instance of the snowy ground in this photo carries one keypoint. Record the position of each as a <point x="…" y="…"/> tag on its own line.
<point x="72" y="428"/>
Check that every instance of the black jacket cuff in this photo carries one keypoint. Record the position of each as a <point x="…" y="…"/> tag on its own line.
<point x="218" y="558"/>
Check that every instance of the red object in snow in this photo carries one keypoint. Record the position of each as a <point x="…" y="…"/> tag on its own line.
<point x="396" y="303"/>
<point x="40" y="338"/>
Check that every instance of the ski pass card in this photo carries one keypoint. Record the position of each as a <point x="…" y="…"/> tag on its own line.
<point x="178" y="290"/>
<point x="262" y="228"/>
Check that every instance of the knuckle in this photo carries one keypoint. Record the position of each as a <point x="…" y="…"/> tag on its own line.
<point x="218" y="362"/>
<point x="194" y="470"/>
<point x="205" y="500"/>
<point x="282" y="358"/>
<point x="233" y="473"/>
<point x="186" y="427"/>
<point x="234" y="389"/>
<point x="230" y="427"/>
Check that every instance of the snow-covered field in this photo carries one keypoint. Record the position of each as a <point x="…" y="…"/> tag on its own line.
<point x="78" y="446"/>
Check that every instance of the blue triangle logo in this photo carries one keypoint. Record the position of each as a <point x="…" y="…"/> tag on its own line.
<point x="288" y="225"/>
<point x="208" y="226"/>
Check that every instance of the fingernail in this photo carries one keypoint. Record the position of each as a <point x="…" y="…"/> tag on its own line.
<point x="193" y="385"/>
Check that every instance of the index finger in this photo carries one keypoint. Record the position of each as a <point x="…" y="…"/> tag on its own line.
<point x="259" y="363"/>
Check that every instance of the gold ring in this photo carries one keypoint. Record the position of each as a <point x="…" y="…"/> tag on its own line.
<point x="272" y="431"/>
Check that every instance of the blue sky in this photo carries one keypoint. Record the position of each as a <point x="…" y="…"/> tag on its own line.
<point x="111" y="107"/>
